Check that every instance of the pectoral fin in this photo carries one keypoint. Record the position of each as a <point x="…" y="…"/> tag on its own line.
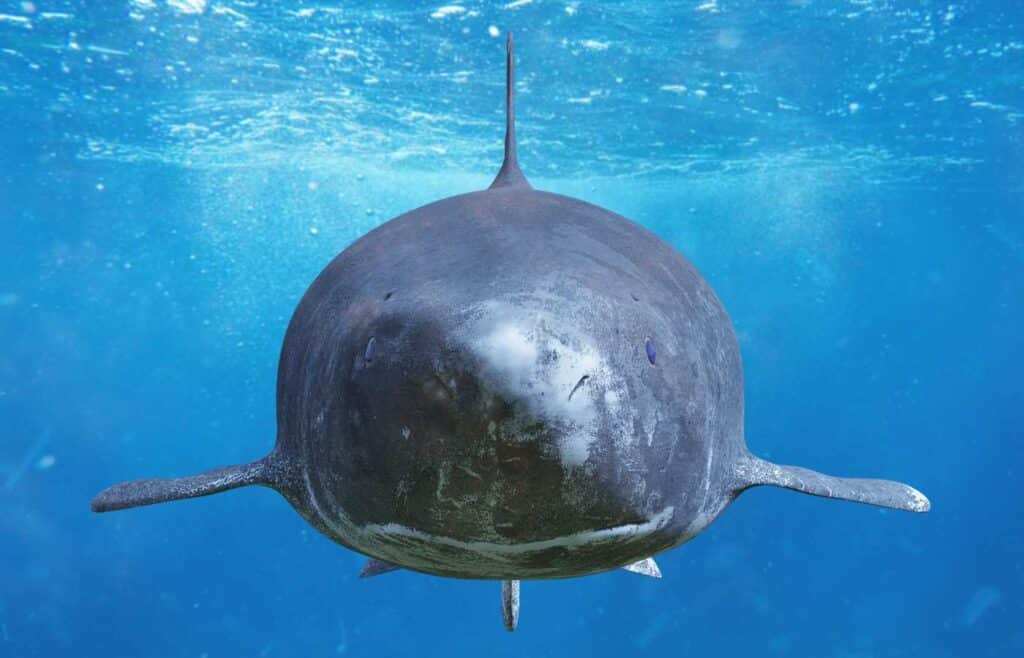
<point x="161" y="490"/>
<point x="752" y="472"/>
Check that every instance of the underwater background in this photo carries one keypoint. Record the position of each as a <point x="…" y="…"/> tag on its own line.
<point x="848" y="175"/>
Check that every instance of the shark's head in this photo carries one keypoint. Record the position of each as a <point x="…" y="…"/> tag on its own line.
<point x="507" y="372"/>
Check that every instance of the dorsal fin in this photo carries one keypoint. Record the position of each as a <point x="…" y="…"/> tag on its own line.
<point x="510" y="175"/>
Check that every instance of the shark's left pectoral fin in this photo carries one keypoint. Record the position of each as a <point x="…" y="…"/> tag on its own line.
<point x="646" y="567"/>
<point x="752" y="472"/>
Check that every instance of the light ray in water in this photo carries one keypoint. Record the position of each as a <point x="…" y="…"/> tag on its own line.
<point x="30" y="458"/>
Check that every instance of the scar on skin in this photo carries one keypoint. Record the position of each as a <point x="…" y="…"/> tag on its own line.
<point x="581" y="382"/>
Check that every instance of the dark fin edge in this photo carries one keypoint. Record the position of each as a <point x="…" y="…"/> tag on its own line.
<point x="510" y="175"/>
<point x="752" y="472"/>
<point x="137" y="493"/>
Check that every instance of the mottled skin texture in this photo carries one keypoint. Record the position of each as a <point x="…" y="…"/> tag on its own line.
<point x="486" y="310"/>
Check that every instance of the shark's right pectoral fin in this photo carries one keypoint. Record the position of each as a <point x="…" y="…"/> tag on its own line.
<point x="752" y="472"/>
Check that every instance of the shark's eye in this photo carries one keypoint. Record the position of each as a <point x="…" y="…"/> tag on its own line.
<point x="650" y="351"/>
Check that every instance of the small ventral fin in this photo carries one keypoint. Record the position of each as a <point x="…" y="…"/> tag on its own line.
<point x="510" y="603"/>
<point x="375" y="567"/>
<point x="646" y="567"/>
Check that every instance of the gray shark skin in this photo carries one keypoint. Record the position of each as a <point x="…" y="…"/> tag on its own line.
<point x="510" y="384"/>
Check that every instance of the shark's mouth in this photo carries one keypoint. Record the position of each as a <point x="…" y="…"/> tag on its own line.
<point x="576" y="539"/>
<point x="564" y="556"/>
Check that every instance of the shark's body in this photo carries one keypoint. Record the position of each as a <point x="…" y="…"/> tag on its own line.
<point x="510" y="384"/>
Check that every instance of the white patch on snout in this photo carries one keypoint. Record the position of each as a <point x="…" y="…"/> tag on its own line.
<point x="526" y="357"/>
<point x="510" y="350"/>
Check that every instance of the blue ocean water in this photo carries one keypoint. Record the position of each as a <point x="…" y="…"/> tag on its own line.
<point x="848" y="175"/>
